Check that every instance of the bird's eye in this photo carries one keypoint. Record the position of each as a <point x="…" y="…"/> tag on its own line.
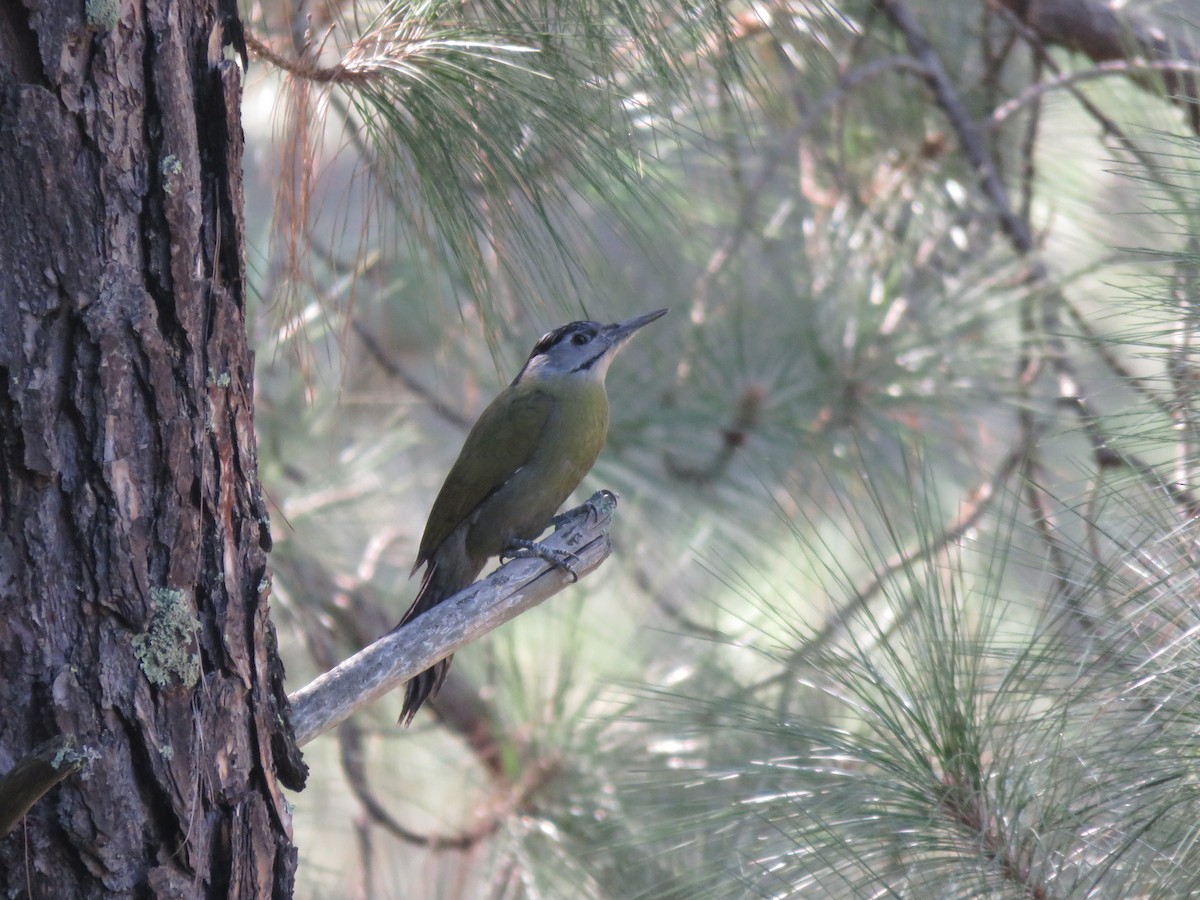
<point x="580" y="339"/>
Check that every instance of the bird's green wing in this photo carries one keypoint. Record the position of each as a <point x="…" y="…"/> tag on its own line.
<point x="503" y="440"/>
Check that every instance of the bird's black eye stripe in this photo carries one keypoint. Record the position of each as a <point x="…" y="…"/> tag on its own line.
<point x="578" y="333"/>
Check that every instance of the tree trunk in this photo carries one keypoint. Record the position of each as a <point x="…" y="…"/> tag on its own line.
<point x="133" y="535"/>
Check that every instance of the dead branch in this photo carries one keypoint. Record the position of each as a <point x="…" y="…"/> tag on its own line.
<point x="509" y="591"/>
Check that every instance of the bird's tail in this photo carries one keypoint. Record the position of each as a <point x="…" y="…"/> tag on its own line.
<point x="436" y="586"/>
<point x="421" y="687"/>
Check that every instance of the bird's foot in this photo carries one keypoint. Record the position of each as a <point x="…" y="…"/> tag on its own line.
<point x="590" y="507"/>
<point x="521" y="549"/>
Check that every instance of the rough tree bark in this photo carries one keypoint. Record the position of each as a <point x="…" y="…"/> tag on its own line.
<point x="133" y="536"/>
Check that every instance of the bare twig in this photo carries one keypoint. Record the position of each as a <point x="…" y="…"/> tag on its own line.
<point x="1105" y="34"/>
<point x="746" y="417"/>
<point x="512" y="589"/>
<point x="1103" y="70"/>
<point x="1029" y="149"/>
<point x="354" y="767"/>
<point x="669" y="608"/>
<point x="397" y="371"/>
<point x="513" y="798"/>
<point x="352" y="69"/>
<point x="1106" y="122"/>
<point x="970" y="135"/>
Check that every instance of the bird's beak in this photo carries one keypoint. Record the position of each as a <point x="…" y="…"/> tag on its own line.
<point x="619" y="332"/>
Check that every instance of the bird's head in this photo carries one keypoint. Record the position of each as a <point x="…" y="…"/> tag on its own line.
<point x="585" y="349"/>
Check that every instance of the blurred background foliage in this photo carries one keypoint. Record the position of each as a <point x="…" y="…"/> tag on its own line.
<point x="905" y="591"/>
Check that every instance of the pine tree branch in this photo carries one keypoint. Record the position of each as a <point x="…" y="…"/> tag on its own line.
<point x="974" y="505"/>
<point x="509" y="591"/>
<point x="1072" y="392"/>
<point x="1106" y="35"/>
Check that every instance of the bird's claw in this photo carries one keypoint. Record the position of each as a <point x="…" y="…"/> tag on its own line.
<point x="588" y="508"/>
<point x="520" y="549"/>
